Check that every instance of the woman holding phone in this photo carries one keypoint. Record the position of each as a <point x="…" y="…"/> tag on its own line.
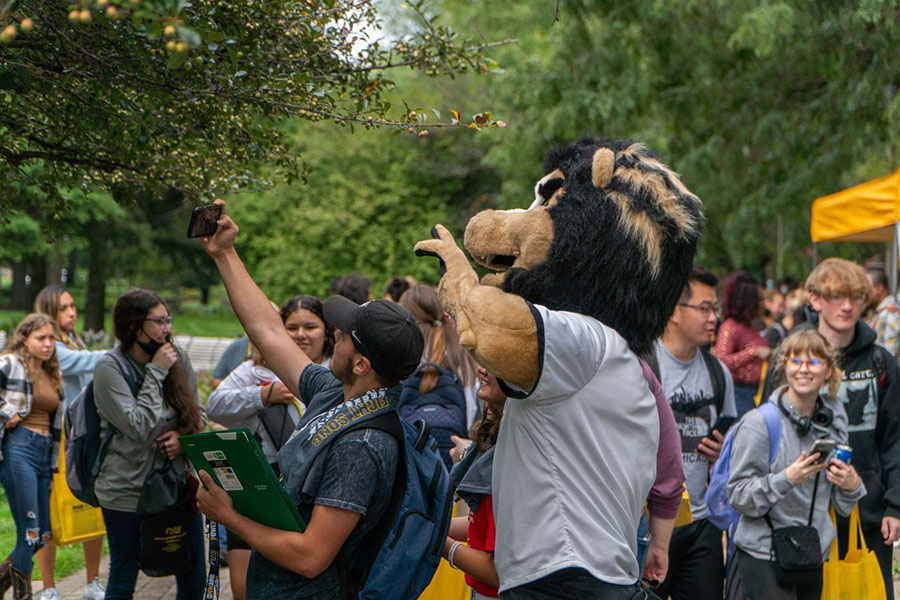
<point x="31" y="394"/>
<point x="77" y="365"/>
<point x="791" y="489"/>
<point x="146" y="424"/>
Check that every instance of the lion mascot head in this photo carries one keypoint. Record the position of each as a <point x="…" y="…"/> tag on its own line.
<point x="611" y="234"/>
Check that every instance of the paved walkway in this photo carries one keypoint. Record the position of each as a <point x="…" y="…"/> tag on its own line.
<point x="147" y="588"/>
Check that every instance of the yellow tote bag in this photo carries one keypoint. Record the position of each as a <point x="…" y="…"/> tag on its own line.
<point x="858" y="576"/>
<point x="71" y="520"/>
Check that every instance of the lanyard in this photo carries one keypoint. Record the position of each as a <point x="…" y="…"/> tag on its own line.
<point x="212" y="580"/>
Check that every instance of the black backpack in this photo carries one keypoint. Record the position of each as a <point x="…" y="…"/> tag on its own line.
<point x="713" y="366"/>
<point x="443" y="408"/>
<point x="85" y="450"/>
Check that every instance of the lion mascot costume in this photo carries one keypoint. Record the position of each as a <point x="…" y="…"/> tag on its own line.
<point x="585" y="280"/>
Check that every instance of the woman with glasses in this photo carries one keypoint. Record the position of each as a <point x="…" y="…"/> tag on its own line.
<point x="796" y="486"/>
<point x="146" y="425"/>
<point x="738" y="344"/>
<point x="77" y="365"/>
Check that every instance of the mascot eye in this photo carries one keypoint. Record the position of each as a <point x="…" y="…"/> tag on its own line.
<point x="548" y="188"/>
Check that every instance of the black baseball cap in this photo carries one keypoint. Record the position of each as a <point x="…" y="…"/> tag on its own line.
<point x="382" y="331"/>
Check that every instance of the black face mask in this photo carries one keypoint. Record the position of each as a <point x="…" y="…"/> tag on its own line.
<point x="150" y="347"/>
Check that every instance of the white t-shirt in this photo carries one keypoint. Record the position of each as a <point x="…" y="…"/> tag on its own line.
<point x="575" y="458"/>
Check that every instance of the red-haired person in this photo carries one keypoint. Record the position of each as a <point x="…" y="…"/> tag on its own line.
<point x="738" y="344"/>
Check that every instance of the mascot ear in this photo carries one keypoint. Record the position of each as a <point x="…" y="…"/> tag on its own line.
<point x="602" y="166"/>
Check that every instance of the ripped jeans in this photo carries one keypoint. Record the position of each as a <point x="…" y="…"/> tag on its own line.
<point x="26" y="474"/>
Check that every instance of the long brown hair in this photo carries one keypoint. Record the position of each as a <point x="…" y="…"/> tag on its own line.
<point x="47" y="302"/>
<point x="131" y="309"/>
<point x="485" y="430"/>
<point x="16" y="345"/>
<point x="442" y="345"/>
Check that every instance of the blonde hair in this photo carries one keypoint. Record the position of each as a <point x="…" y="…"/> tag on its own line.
<point x="836" y="276"/>
<point x="811" y="343"/>
<point x="16" y="345"/>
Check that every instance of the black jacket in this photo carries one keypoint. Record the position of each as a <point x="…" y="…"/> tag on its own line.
<point x="871" y="396"/>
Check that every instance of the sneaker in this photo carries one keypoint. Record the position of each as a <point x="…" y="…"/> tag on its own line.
<point x="50" y="594"/>
<point x="94" y="590"/>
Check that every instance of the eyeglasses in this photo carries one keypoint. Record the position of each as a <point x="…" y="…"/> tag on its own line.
<point x="705" y="309"/>
<point x="161" y="321"/>
<point x="839" y="297"/>
<point x="811" y="363"/>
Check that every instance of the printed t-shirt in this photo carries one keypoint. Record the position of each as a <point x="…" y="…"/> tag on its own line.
<point x="575" y="458"/>
<point x="481" y="536"/>
<point x="685" y="384"/>
<point x="358" y="476"/>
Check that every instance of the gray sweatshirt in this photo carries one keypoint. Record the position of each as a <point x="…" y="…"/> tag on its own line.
<point x="138" y="421"/>
<point x="756" y="487"/>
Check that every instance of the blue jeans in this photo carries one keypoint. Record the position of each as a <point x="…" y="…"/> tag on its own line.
<point x="122" y="532"/>
<point x="26" y="474"/>
<point x="744" y="397"/>
<point x="643" y="541"/>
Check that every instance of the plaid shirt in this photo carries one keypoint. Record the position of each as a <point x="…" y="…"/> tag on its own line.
<point x="886" y="323"/>
<point x="17" y="396"/>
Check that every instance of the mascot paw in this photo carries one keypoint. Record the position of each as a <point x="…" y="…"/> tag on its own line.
<point x="442" y="246"/>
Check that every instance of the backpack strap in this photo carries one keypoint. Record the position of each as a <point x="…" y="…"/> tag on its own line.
<point x="717" y="376"/>
<point x="772" y="416"/>
<point x="878" y="362"/>
<point x="131" y="378"/>
<point x="353" y="576"/>
<point x="653" y="362"/>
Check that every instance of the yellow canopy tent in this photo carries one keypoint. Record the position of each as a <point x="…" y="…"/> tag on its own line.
<point x="869" y="212"/>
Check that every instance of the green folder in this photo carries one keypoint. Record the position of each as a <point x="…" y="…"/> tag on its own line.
<point x="237" y="464"/>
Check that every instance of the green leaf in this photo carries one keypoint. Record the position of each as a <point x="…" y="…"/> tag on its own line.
<point x="189" y="36"/>
<point x="437" y="113"/>
<point x="176" y="59"/>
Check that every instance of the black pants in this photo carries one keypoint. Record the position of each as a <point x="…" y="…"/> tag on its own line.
<point x="696" y="563"/>
<point x="758" y="577"/>
<point x="576" y="584"/>
<point x="875" y="542"/>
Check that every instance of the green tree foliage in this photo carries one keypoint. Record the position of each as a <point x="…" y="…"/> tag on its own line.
<point x="368" y="200"/>
<point x="762" y="106"/>
<point x="191" y="95"/>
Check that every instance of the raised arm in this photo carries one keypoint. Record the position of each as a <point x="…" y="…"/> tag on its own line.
<point x="497" y="328"/>
<point x="252" y="308"/>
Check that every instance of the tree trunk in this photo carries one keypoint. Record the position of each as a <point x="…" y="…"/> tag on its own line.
<point x="55" y="266"/>
<point x="73" y="268"/>
<point x="19" y="295"/>
<point x="94" y="310"/>
<point x="37" y="268"/>
<point x="204" y="295"/>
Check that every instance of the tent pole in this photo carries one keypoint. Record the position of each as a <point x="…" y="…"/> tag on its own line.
<point x="895" y="258"/>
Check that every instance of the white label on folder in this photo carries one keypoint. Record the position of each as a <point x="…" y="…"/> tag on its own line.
<point x="228" y="435"/>
<point x="214" y="455"/>
<point x="228" y="479"/>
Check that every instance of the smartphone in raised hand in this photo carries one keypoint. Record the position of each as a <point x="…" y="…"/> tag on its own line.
<point x="204" y="220"/>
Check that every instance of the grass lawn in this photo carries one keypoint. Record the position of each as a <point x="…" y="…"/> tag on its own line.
<point x="191" y="320"/>
<point x="69" y="559"/>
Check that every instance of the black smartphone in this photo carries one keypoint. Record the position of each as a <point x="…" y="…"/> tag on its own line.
<point x="824" y="448"/>
<point x="722" y="425"/>
<point x="204" y="220"/>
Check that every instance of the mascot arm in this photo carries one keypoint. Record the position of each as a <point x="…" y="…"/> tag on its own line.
<point x="497" y="328"/>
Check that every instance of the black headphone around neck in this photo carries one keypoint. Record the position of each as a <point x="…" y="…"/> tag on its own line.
<point x="822" y="416"/>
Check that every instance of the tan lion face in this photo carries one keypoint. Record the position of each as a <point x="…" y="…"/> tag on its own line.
<point x="502" y="239"/>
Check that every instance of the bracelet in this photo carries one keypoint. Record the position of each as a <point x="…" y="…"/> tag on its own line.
<point x="450" y="554"/>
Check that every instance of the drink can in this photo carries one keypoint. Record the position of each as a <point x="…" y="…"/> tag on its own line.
<point x="843" y="453"/>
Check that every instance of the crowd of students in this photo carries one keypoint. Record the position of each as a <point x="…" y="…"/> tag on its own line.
<point x="807" y="352"/>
